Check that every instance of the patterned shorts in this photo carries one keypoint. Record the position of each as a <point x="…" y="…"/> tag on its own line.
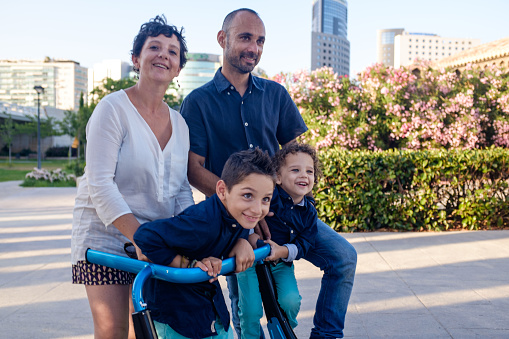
<point x="93" y="274"/>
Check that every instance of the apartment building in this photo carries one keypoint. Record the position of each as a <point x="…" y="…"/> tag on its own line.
<point x="63" y="82"/>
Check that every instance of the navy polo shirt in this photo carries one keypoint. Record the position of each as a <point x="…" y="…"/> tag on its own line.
<point x="292" y="224"/>
<point x="221" y="122"/>
<point x="200" y="231"/>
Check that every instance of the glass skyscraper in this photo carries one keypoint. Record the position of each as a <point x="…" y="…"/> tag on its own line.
<point x="200" y="69"/>
<point x="329" y="44"/>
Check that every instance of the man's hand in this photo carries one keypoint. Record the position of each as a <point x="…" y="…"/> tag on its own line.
<point x="253" y="238"/>
<point x="244" y="255"/>
<point x="210" y="265"/>
<point x="262" y="229"/>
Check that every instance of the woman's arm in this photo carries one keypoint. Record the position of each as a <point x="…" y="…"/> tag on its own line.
<point x="104" y="139"/>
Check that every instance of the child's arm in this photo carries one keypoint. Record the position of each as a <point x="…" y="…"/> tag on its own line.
<point x="210" y="265"/>
<point x="244" y="255"/>
<point x="301" y="242"/>
<point x="305" y="240"/>
<point x="276" y="251"/>
<point x="162" y="240"/>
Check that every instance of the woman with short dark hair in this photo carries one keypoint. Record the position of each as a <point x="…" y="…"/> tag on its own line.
<point x="136" y="171"/>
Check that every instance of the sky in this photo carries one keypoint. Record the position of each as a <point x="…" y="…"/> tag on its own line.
<point x="95" y="30"/>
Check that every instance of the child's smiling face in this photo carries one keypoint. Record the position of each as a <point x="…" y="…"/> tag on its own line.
<point x="297" y="175"/>
<point x="248" y="201"/>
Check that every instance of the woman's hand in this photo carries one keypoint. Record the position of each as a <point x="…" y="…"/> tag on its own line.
<point x="210" y="265"/>
<point x="276" y="251"/>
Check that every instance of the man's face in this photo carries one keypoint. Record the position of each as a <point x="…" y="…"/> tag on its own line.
<point x="244" y="42"/>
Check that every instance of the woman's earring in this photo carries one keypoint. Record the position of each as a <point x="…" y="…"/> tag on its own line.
<point x="178" y="83"/>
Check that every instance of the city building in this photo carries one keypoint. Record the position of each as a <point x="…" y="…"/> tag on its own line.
<point x="385" y="45"/>
<point x="200" y="69"/>
<point x="396" y="47"/>
<point x="329" y="43"/>
<point x="114" y="69"/>
<point x="491" y="53"/>
<point x="63" y="82"/>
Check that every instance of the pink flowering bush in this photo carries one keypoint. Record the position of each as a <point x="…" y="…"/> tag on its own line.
<point x="439" y="137"/>
<point x="395" y="108"/>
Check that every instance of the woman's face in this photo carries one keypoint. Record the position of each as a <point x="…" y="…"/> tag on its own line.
<point x="159" y="59"/>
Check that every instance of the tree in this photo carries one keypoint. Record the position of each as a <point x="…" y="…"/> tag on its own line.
<point x="7" y="133"/>
<point x="109" y="86"/>
<point x="30" y="127"/>
<point x="84" y="113"/>
<point x="173" y="101"/>
<point x="69" y="125"/>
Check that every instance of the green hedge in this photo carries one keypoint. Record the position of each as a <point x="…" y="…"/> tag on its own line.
<point x="414" y="190"/>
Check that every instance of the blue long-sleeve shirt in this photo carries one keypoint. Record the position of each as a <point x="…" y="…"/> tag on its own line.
<point x="221" y="122"/>
<point x="203" y="230"/>
<point x="292" y="224"/>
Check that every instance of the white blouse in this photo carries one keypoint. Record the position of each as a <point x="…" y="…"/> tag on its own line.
<point x="127" y="172"/>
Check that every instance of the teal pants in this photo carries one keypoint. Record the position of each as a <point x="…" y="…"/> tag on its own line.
<point x="164" y="331"/>
<point x="250" y="300"/>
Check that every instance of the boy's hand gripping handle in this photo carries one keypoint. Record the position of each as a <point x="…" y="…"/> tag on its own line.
<point x="148" y="270"/>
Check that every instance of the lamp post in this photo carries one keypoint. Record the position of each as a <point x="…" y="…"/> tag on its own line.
<point x="39" y="90"/>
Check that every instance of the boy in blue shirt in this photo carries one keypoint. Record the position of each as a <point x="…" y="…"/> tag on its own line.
<point x="203" y="235"/>
<point x="293" y="228"/>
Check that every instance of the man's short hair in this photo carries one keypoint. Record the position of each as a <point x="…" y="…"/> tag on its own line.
<point x="241" y="164"/>
<point x="229" y="18"/>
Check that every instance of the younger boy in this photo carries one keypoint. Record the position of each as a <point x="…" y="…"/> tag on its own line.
<point x="293" y="229"/>
<point x="205" y="233"/>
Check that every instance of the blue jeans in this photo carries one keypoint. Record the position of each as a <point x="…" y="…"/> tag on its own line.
<point x="250" y="300"/>
<point x="233" y="290"/>
<point x="164" y="331"/>
<point x="337" y="258"/>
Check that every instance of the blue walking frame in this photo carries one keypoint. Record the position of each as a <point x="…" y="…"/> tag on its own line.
<point x="143" y="325"/>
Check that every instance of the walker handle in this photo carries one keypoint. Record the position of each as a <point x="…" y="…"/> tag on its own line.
<point x="147" y="270"/>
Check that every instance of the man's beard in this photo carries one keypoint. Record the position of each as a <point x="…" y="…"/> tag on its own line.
<point x="237" y="63"/>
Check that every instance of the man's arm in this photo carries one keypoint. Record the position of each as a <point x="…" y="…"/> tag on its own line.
<point x="199" y="176"/>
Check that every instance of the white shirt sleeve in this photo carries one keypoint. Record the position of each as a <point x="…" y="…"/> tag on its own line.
<point x="127" y="171"/>
<point x="184" y="198"/>
<point x="104" y="139"/>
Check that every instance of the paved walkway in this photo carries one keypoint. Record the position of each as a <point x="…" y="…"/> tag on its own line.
<point x="408" y="285"/>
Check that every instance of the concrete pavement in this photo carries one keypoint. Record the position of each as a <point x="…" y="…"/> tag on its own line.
<point x="408" y="285"/>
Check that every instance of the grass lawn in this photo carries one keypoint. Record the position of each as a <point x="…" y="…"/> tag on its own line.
<point x="17" y="169"/>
